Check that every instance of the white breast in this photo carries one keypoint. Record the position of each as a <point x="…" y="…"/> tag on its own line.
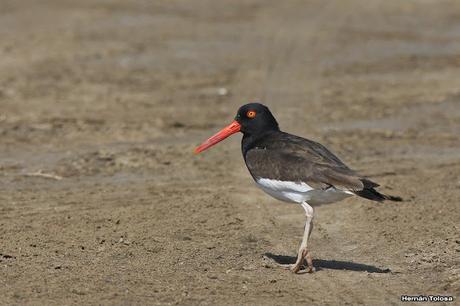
<point x="299" y="192"/>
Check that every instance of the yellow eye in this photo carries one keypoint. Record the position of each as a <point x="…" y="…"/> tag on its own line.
<point x="251" y="114"/>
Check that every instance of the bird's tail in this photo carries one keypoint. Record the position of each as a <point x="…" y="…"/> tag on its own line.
<point x="372" y="194"/>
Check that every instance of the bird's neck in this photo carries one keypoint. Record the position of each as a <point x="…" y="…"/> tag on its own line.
<point x="250" y="140"/>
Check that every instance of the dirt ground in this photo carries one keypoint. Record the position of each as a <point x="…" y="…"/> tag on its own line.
<point x="102" y="102"/>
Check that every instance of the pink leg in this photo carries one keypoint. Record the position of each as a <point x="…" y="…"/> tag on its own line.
<point x="304" y="253"/>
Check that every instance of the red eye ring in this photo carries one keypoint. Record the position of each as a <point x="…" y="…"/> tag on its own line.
<point x="251" y="114"/>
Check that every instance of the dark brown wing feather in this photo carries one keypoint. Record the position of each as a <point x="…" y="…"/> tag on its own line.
<point x="284" y="156"/>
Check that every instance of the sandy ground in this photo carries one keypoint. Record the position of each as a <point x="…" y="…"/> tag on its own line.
<point x="102" y="103"/>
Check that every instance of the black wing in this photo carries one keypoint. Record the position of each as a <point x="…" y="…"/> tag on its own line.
<point x="288" y="157"/>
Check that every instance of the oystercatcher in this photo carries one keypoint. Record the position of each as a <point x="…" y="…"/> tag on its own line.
<point x="293" y="169"/>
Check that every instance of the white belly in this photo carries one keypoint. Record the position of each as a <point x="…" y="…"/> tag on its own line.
<point x="299" y="192"/>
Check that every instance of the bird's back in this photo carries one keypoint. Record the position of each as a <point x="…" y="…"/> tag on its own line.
<point x="280" y="156"/>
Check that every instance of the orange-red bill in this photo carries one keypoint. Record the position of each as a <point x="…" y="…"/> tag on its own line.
<point x="232" y="128"/>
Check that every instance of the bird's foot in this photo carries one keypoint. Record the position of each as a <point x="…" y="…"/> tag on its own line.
<point x="298" y="268"/>
<point x="292" y="267"/>
<point x="304" y="255"/>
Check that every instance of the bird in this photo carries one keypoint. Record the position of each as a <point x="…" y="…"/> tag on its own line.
<point x="294" y="169"/>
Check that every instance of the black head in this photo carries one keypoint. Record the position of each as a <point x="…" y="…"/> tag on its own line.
<point x="253" y="120"/>
<point x="256" y="118"/>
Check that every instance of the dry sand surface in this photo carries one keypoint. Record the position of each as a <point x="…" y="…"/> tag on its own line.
<point x="102" y="103"/>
